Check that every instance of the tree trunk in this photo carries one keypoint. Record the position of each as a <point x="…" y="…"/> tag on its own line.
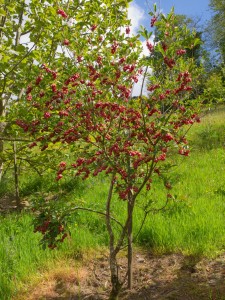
<point x="1" y="160"/>
<point x="2" y="130"/>
<point x="16" y="178"/>
<point x="116" y="285"/>
<point x="130" y="207"/>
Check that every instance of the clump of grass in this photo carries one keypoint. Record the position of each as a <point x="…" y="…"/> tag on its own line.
<point x="210" y="137"/>
<point x="210" y="133"/>
<point x="6" y="186"/>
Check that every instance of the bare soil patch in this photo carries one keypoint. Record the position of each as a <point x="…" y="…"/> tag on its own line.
<point x="167" y="277"/>
<point x="8" y="203"/>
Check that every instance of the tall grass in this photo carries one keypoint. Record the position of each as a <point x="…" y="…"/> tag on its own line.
<point x="193" y="223"/>
<point x="21" y="256"/>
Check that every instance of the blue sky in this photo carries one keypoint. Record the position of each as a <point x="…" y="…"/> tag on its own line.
<point x="138" y="13"/>
<point x="198" y="8"/>
<point x="191" y="8"/>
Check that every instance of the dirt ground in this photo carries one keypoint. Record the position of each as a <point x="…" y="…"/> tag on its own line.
<point x="167" y="277"/>
<point x="8" y="203"/>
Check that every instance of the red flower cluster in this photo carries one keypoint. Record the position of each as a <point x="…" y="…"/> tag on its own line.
<point x="170" y="62"/>
<point x="62" y="13"/>
<point x="114" y="47"/>
<point x="127" y="30"/>
<point x="153" y="87"/>
<point x="181" y="52"/>
<point x="52" y="230"/>
<point x="38" y="80"/>
<point x="153" y="20"/>
<point x="66" y="42"/>
<point x="93" y="27"/>
<point x="149" y="46"/>
<point x="54" y="73"/>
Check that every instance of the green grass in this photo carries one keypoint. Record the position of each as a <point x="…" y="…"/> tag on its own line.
<point x="194" y="223"/>
<point x="21" y="256"/>
<point x="210" y="133"/>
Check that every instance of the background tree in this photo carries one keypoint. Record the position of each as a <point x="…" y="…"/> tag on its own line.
<point x="216" y="27"/>
<point x="214" y="89"/>
<point x="195" y="52"/>
<point x="26" y="37"/>
<point x="30" y="35"/>
<point x="214" y="79"/>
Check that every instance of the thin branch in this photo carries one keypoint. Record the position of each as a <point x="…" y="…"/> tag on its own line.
<point x="7" y="167"/>
<point x="3" y="21"/>
<point x="31" y="164"/>
<point x="143" y="81"/>
<point x="95" y="211"/>
<point x="2" y="138"/>
<point x="108" y="216"/>
<point x="26" y="32"/>
<point x="153" y="210"/>
<point x="26" y="55"/>
<point x="122" y="236"/>
<point x="18" y="32"/>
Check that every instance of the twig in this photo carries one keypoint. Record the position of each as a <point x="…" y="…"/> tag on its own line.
<point x="153" y="210"/>
<point x="95" y="211"/>
<point x="13" y="139"/>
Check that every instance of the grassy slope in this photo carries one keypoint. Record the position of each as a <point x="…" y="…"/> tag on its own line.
<point x="193" y="224"/>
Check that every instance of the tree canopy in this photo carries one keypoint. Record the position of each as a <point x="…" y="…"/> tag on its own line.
<point x="217" y="25"/>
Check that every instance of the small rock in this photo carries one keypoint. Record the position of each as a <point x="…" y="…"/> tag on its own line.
<point x="106" y="284"/>
<point x="212" y="282"/>
<point x="140" y="260"/>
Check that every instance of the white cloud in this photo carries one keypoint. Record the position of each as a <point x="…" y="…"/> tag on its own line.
<point x="137" y="15"/>
<point x="136" y="91"/>
<point x="145" y="50"/>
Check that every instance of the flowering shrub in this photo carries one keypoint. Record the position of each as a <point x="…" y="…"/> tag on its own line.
<point x="90" y="104"/>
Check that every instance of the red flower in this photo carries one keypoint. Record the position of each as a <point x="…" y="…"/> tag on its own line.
<point x="60" y="176"/>
<point x="29" y="97"/>
<point x="53" y="86"/>
<point x="38" y="80"/>
<point x="93" y="27"/>
<point x="62" y="13"/>
<point x="127" y="30"/>
<point x="66" y="42"/>
<point x="149" y="46"/>
<point x="47" y="115"/>
<point x="62" y="164"/>
<point x="184" y="152"/>
<point x="114" y="47"/>
<point x="153" y="20"/>
<point x="181" y="52"/>
<point x="32" y="145"/>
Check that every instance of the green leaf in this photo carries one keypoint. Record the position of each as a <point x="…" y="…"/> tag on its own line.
<point x="2" y="12"/>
